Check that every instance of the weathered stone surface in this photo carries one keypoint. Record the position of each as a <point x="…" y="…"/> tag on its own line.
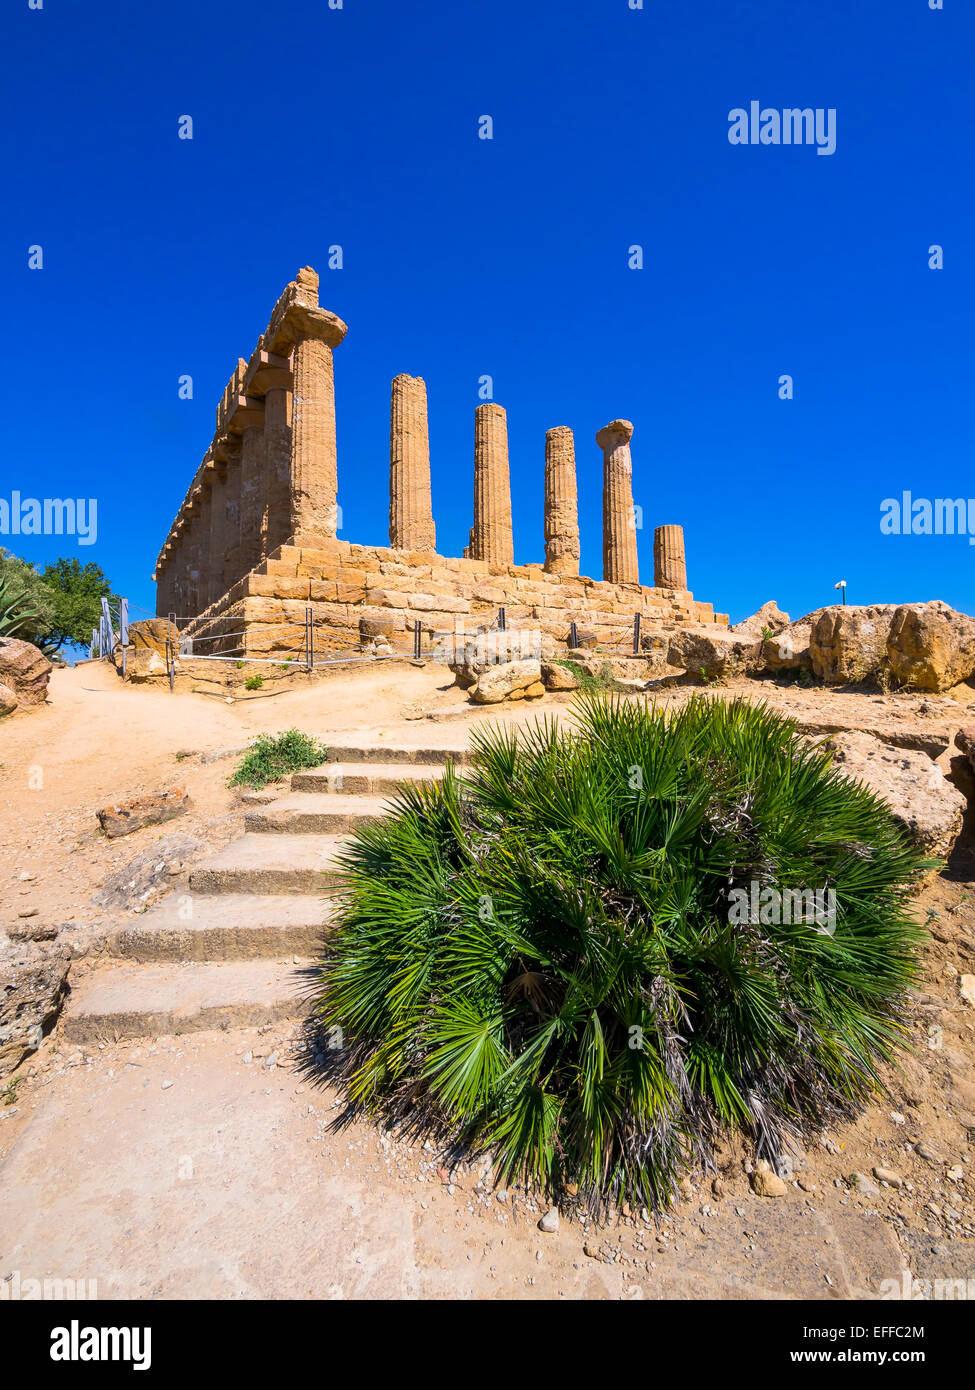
<point x="509" y="681"/>
<point x="769" y="618"/>
<point x="848" y="644"/>
<point x="714" y="651"/>
<point x="491" y="537"/>
<point x="558" y="677"/>
<point x="8" y="700"/>
<point x="928" y="806"/>
<point x="25" y="670"/>
<point x="411" y="525"/>
<point x="620" y="564"/>
<point x="930" y="646"/>
<point x="149" y="874"/>
<point x="470" y="655"/>
<point x="380" y="627"/>
<point x="145" y="665"/>
<point x="789" y="650"/>
<point x="33" y="982"/>
<point x="669" y="564"/>
<point x="152" y="809"/>
<point x="561" y="503"/>
<point x="149" y="635"/>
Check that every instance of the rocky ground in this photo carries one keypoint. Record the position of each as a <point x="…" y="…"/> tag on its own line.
<point x="211" y="1165"/>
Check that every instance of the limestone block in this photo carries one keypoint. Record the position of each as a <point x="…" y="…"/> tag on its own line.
<point x="848" y="643"/>
<point x="930" y="646"/>
<point x="928" y="806"/>
<point x="442" y="603"/>
<point x="25" y="670"/>
<point x="154" y="808"/>
<point x="272" y="586"/>
<point x="507" y="681"/>
<point x="387" y="598"/>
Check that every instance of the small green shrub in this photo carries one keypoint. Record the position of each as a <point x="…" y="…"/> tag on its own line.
<point x="253" y="682"/>
<point x="273" y="756"/>
<point x="543" y="960"/>
<point x="601" y="680"/>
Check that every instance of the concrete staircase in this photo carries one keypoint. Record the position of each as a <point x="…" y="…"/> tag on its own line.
<point x="240" y="948"/>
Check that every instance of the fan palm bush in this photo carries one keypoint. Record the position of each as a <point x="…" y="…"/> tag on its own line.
<point x="542" y="959"/>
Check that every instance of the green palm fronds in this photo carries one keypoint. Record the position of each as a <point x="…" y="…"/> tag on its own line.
<point x="541" y="959"/>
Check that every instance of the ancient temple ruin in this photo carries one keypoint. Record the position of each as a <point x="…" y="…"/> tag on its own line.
<point x="253" y="556"/>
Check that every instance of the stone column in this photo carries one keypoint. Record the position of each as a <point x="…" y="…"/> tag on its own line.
<point x="164" y="585"/>
<point x="411" y="525"/>
<point x="491" y="538"/>
<point x="201" y="523"/>
<point x="251" y="504"/>
<point x="669" y="565"/>
<point x="218" y="534"/>
<point x="620" y="565"/>
<point x="276" y="524"/>
<point x="229" y="457"/>
<point x="191" y="572"/>
<point x="561" y="503"/>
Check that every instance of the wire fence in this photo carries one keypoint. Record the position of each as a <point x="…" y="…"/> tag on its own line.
<point x="310" y="644"/>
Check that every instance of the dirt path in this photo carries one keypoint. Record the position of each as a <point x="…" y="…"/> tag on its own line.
<point x="209" y="1165"/>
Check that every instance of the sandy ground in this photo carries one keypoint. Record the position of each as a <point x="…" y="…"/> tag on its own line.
<point x="212" y="1166"/>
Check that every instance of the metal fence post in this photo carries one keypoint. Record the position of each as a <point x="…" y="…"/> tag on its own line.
<point x="171" y="651"/>
<point x="573" y="636"/>
<point x="309" y="655"/>
<point x="417" y="638"/>
<point x="636" y="634"/>
<point x="502" y="620"/>
<point x="123" y="631"/>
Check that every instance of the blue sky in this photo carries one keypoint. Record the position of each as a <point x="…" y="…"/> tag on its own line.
<point x="464" y="257"/>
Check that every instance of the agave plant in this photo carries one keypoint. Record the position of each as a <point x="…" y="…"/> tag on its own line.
<point x="16" y="614"/>
<point x="541" y="959"/>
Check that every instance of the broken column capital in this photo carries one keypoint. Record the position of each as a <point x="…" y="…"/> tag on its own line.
<point x="615" y="433"/>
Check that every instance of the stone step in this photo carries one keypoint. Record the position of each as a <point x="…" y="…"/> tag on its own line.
<point x="228" y="926"/>
<point x="271" y="864"/>
<point x="371" y="779"/>
<point x="315" y="813"/>
<point x="140" y="1001"/>
<point x="397" y="753"/>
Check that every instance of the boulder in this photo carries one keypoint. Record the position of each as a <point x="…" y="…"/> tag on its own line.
<point x="788" y="650"/>
<point x="769" y="618"/>
<point x="848" y="643"/>
<point x="714" y="651"/>
<point x="385" y="628"/>
<point x="928" y="806"/>
<point x="558" y="677"/>
<point x="144" y="664"/>
<point x="8" y="700"/>
<point x="151" y="809"/>
<point x="33" y="983"/>
<point x="25" y="670"/>
<point x="510" y="681"/>
<point x="470" y="654"/>
<point x="149" y="635"/>
<point x="149" y="874"/>
<point x="931" y="646"/>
